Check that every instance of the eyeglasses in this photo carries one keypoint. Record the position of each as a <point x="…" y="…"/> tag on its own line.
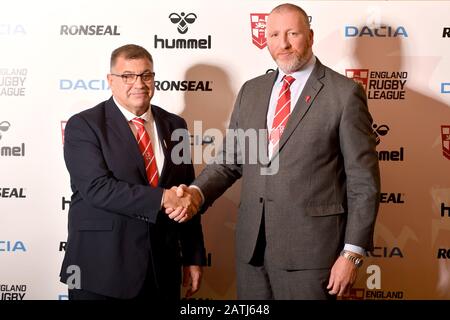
<point x="130" y="78"/>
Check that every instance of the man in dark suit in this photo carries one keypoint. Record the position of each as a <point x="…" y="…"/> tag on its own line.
<point x="307" y="215"/>
<point x="118" y="155"/>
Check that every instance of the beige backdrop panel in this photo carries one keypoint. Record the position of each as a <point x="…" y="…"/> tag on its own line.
<point x="46" y="76"/>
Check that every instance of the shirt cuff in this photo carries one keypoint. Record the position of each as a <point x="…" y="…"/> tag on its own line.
<point x="200" y="191"/>
<point x="354" y="249"/>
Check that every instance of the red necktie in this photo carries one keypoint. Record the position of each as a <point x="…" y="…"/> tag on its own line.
<point x="282" y="112"/>
<point x="145" y="145"/>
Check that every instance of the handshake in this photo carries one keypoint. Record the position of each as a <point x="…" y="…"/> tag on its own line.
<point x="182" y="202"/>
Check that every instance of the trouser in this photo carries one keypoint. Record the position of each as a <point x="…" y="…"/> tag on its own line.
<point x="149" y="291"/>
<point x="260" y="279"/>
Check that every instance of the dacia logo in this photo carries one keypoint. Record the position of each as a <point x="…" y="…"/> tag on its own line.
<point x="182" y="20"/>
<point x="12" y="246"/>
<point x="379" y="31"/>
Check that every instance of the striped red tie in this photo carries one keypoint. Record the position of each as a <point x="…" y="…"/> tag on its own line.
<point x="282" y="112"/>
<point x="145" y="145"/>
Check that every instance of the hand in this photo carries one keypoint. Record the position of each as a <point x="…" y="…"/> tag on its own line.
<point x="196" y="198"/>
<point x="342" y="277"/>
<point x="192" y="275"/>
<point x="180" y="215"/>
<point x="176" y="199"/>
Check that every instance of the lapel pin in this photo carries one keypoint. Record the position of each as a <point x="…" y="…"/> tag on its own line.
<point x="307" y="98"/>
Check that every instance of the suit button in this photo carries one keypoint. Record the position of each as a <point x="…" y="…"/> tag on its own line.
<point x="260" y="200"/>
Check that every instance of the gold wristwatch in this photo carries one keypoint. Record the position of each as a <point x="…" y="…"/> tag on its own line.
<point x="354" y="259"/>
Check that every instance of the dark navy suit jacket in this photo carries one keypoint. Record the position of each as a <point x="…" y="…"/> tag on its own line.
<point x="116" y="226"/>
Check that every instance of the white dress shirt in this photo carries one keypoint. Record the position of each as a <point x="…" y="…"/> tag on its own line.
<point x="296" y="88"/>
<point x="150" y="127"/>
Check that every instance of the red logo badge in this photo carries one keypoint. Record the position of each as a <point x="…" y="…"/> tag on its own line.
<point x="354" y="294"/>
<point x="63" y="126"/>
<point x="445" y="133"/>
<point x="258" y="25"/>
<point x="359" y="75"/>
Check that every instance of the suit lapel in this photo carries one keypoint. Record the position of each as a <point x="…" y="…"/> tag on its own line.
<point x="304" y="103"/>
<point x="117" y="123"/>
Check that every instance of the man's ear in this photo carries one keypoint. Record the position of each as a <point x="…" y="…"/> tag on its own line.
<point x="109" y="78"/>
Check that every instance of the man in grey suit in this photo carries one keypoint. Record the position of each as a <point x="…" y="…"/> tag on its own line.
<point x="302" y="231"/>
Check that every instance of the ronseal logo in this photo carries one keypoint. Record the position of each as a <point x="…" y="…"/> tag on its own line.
<point x="443" y="253"/>
<point x="446" y="32"/>
<point x="12" y="192"/>
<point x="397" y="198"/>
<point x="89" y="30"/>
<point x="380" y="85"/>
<point x="183" y="85"/>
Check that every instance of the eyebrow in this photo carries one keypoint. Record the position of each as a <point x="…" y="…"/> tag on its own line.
<point x="130" y="72"/>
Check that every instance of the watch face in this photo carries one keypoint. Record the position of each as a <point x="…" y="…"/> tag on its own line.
<point x="358" y="262"/>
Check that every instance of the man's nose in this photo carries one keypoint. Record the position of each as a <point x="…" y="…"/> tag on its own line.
<point x="139" y="82"/>
<point x="284" y="42"/>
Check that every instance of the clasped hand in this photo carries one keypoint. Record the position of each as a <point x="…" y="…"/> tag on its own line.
<point x="181" y="203"/>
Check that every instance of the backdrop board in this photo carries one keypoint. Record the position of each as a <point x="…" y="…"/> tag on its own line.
<point x="54" y="57"/>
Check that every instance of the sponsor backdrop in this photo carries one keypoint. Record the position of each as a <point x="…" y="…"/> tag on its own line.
<point x="54" y="59"/>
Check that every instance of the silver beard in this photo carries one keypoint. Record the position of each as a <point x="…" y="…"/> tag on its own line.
<point x="293" y="65"/>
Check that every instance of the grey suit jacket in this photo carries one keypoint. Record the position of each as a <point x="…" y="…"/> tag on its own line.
<point x="326" y="189"/>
